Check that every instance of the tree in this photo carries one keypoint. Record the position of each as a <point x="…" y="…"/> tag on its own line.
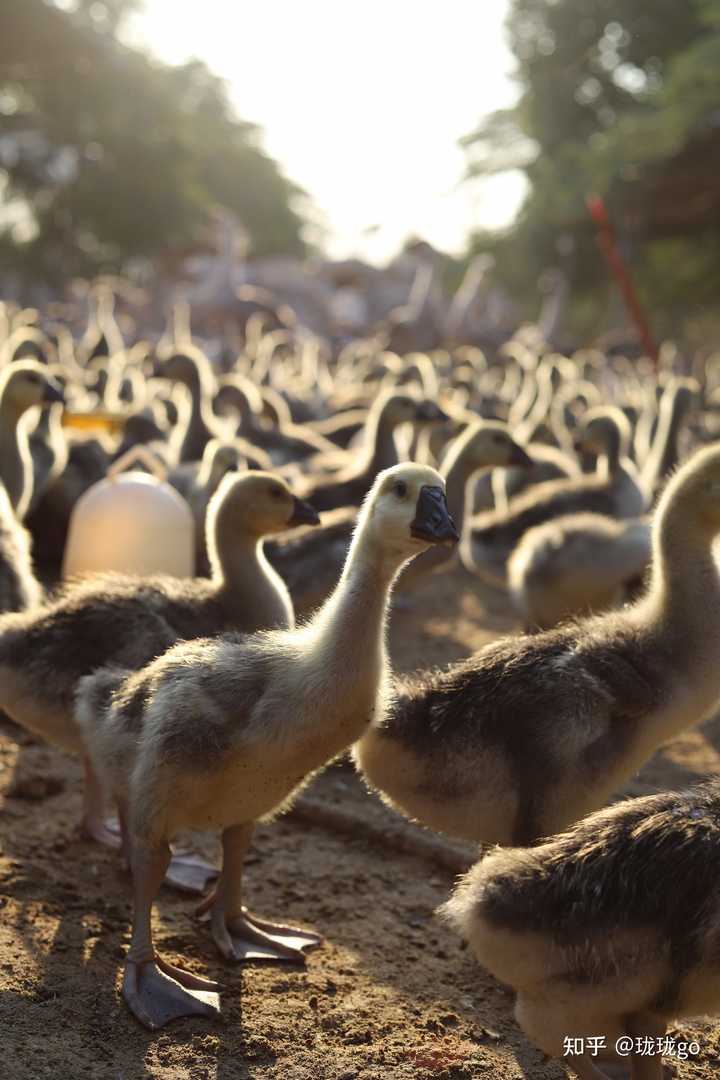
<point x="617" y="97"/>
<point x="114" y="155"/>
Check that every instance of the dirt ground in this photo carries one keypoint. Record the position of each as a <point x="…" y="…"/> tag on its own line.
<point x="392" y="995"/>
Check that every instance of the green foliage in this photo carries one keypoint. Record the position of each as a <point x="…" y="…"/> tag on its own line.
<point x="619" y="97"/>
<point x="117" y="155"/>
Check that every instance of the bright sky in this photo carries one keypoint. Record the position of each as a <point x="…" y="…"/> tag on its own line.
<point x="361" y="103"/>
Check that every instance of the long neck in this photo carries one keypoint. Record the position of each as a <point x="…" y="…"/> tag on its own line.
<point x="677" y="627"/>
<point x="681" y="616"/>
<point x="204" y="473"/>
<point x="685" y="586"/>
<point x="608" y="462"/>
<point x="13" y="455"/>
<point x="381" y="443"/>
<point x="252" y="594"/>
<point x="539" y="410"/>
<point x="200" y="423"/>
<point x="355" y="612"/>
<point x="42" y="427"/>
<point x="663" y="455"/>
<point x="512" y="384"/>
<point x="669" y="451"/>
<point x="246" y="413"/>
<point x="457" y="470"/>
<point x="211" y="471"/>
<point x="348" y="635"/>
<point x="520" y="409"/>
<point x="179" y="329"/>
<point x="196" y="396"/>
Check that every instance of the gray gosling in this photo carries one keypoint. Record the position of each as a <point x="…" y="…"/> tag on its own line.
<point x="613" y="489"/>
<point x="221" y="732"/>
<point x="389" y="412"/>
<point x="575" y="565"/>
<point x="609" y="930"/>
<point x="113" y="618"/>
<point x="483" y="445"/>
<point x="532" y="732"/>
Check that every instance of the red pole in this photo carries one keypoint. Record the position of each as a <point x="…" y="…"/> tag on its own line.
<point x="607" y="242"/>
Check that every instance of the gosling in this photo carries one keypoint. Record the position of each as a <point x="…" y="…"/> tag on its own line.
<point x="222" y="732"/>
<point x="608" y="931"/>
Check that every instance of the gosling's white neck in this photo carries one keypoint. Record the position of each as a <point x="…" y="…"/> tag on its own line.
<point x="359" y="600"/>
<point x="247" y="586"/>
<point x="346" y="646"/>
<point x="682" y="611"/>
<point x="685" y="582"/>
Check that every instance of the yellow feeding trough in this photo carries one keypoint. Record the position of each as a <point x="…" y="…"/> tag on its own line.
<point x="131" y="522"/>
<point x="101" y="422"/>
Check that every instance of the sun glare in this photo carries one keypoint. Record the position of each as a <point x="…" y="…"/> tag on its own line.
<point x="361" y="104"/>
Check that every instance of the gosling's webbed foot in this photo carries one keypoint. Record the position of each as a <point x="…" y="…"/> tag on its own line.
<point x="189" y="873"/>
<point x="244" y="938"/>
<point x="157" y="992"/>
<point x="295" y="937"/>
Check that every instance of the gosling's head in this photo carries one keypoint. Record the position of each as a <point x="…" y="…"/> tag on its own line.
<point x="406" y="512"/>
<point x="188" y="366"/>
<point x="237" y="395"/>
<point x="256" y="504"/>
<point x="27" y="383"/>
<point x="601" y="428"/>
<point x="489" y="443"/>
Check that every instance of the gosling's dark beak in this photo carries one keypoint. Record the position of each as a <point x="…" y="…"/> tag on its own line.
<point x="432" y="518"/>
<point x="303" y="513"/>
<point x="428" y="412"/>
<point x="53" y="393"/>
<point x="518" y="456"/>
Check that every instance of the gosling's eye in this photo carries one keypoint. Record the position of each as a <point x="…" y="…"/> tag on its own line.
<point x="276" y="493"/>
<point x="400" y="489"/>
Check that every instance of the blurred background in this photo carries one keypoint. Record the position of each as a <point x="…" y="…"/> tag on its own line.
<point x="163" y="139"/>
<point x="320" y="238"/>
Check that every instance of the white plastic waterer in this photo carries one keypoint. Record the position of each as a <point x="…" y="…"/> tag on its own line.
<point x="131" y="522"/>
